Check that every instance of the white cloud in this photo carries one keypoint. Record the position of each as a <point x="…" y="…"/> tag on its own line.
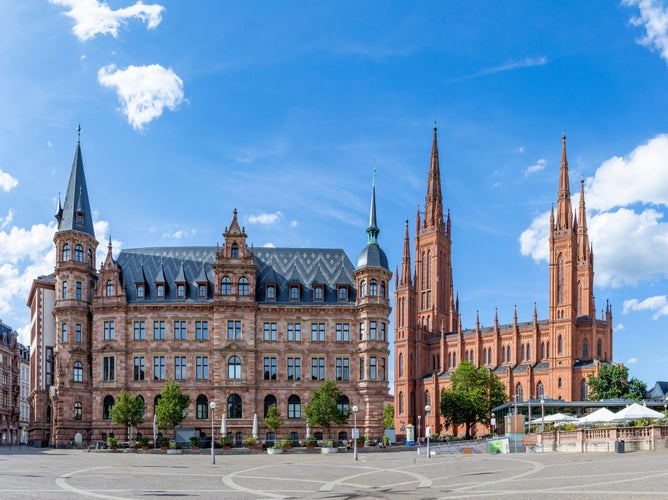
<point x="180" y="234"/>
<point x="4" y="222"/>
<point x="533" y="241"/>
<point x="657" y="304"/>
<point x="632" y="361"/>
<point x="654" y="18"/>
<point x="527" y="62"/>
<point x="269" y="245"/>
<point x="92" y="17"/>
<point x="536" y="167"/>
<point x="619" y="327"/>
<point x="521" y="149"/>
<point x="7" y="182"/>
<point x="144" y="91"/>
<point x="294" y="223"/>
<point x="266" y="219"/>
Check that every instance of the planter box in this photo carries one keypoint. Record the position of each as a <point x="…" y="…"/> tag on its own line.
<point x="274" y="451"/>
<point x="174" y="451"/>
<point x="329" y="450"/>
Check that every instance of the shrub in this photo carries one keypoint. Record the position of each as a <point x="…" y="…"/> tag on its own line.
<point x="112" y="442"/>
<point x="195" y="441"/>
<point x="226" y="441"/>
<point x="143" y="442"/>
<point x="163" y="441"/>
<point x="310" y="441"/>
<point x="251" y="441"/>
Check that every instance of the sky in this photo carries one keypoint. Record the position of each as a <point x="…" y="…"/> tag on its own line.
<point x="282" y="110"/>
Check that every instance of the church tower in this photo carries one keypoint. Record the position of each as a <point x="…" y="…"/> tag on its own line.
<point x="75" y="282"/>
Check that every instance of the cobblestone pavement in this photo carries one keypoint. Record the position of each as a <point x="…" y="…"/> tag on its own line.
<point x="393" y="474"/>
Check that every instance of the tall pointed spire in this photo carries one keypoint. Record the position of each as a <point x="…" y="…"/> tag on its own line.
<point x="433" y="209"/>
<point x="406" y="261"/>
<point x="372" y="255"/>
<point x="564" y="210"/>
<point x="373" y="230"/>
<point x="76" y="214"/>
<point x="583" y="239"/>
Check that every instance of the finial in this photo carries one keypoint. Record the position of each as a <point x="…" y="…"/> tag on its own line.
<point x="435" y="124"/>
<point x="373" y="182"/>
<point x="79" y="133"/>
<point x="563" y="133"/>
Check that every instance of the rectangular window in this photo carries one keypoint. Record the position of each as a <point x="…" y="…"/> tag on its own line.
<point x="294" y="368"/>
<point x="317" y="332"/>
<point x="109" y="372"/>
<point x="372" y="330"/>
<point x="64" y="290"/>
<point x="343" y="332"/>
<point x="383" y="331"/>
<point x="202" y="363"/>
<point x="234" y="330"/>
<point x="382" y="368"/>
<point x="109" y="330"/>
<point x="48" y="369"/>
<point x="270" y="334"/>
<point x="140" y="330"/>
<point x="317" y="368"/>
<point x="361" y="368"/>
<point x="180" y="368"/>
<point x="179" y="330"/>
<point x="372" y="369"/>
<point x="294" y="332"/>
<point x="201" y="330"/>
<point x="342" y="369"/>
<point x="79" y="290"/>
<point x="139" y="365"/>
<point x="63" y="332"/>
<point x="158" y="330"/>
<point x="140" y="291"/>
<point x="269" y="368"/>
<point x="158" y="368"/>
<point x="361" y="331"/>
<point x="77" y="333"/>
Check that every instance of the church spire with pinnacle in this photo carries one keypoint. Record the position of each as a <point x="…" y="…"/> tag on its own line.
<point x="433" y="209"/>
<point x="583" y="239"/>
<point x="564" y="210"/>
<point x="406" y="261"/>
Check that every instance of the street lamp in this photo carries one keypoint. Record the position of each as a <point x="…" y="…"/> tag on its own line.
<point x="355" y="408"/>
<point x="419" y="433"/>
<point x="542" y="418"/>
<point x="212" y="405"/>
<point x="427" y="409"/>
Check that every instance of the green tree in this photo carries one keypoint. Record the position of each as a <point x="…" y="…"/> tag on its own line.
<point x="128" y="411"/>
<point x="612" y="382"/>
<point x="323" y="410"/>
<point x="171" y="406"/>
<point x="273" y="418"/>
<point x="471" y="397"/>
<point x="388" y="417"/>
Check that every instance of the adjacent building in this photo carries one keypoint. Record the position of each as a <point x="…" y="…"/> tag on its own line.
<point x="535" y="359"/>
<point x="240" y="326"/>
<point x="10" y="349"/>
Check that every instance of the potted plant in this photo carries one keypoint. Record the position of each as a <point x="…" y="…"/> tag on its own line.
<point x="143" y="442"/>
<point x="112" y="443"/>
<point x="276" y="449"/>
<point x="251" y="443"/>
<point x="310" y="442"/>
<point x="226" y="442"/>
<point x="286" y="443"/>
<point x="195" y="442"/>
<point x="386" y="441"/>
<point x="329" y="447"/>
<point x="360" y="441"/>
<point x="163" y="441"/>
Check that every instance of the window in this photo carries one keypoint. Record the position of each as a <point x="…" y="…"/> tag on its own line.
<point x="63" y="332"/>
<point x="599" y="348"/>
<point x="243" y="286"/>
<point x="269" y="400"/>
<point x="141" y="292"/>
<point x="401" y="403"/>
<point x="234" y="330"/>
<point x="64" y="290"/>
<point x="48" y="368"/>
<point x="317" y="368"/>
<point x="269" y="368"/>
<point x="77" y="372"/>
<point x="294" y="292"/>
<point x="373" y="288"/>
<point x="107" y="405"/>
<point x="343" y="405"/>
<point x="372" y="330"/>
<point x="201" y="330"/>
<point x="202" y="407"/>
<point x="78" y="253"/>
<point x="90" y="257"/>
<point x="294" y="332"/>
<point x="585" y="349"/>
<point x="235" y="251"/>
<point x="294" y="368"/>
<point x="77" y="333"/>
<point x="343" y="332"/>
<point x="382" y="368"/>
<point x="234" y="368"/>
<point x="158" y="368"/>
<point x="362" y="289"/>
<point x="79" y="290"/>
<point x="78" y="411"/>
<point x="140" y="330"/>
<point x="542" y="350"/>
<point x="343" y="293"/>
<point x="270" y="438"/>
<point x="559" y="383"/>
<point x="180" y="368"/>
<point x="158" y="330"/>
<point x="584" y="390"/>
<point x="110" y="288"/>
<point x="523" y="353"/>
<point x="160" y="291"/>
<point x="382" y="289"/>
<point x="373" y="369"/>
<point x="179" y="330"/>
<point x="270" y="332"/>
<point x="66" y="251"/>
<point x="383" y="331"/>
<point x="139" y="367"/>
<point x="318" y="293"/>
<point x="540" y="390"/>
<point x="180" y="291"/>
<point x="271" y="292"/>
<point x="560" y="345"/>
<point x="79" y="218"/>
<point x="201" y="291"/>
<point x="109" y="330"/>
<point x="226" y="286"/>
<point x="109" y="368"/>
<point x="234" y="406"/>
<point x="317" y="332"/>
<point x="202" y="368"/>
<point x="519" y="393"/>
<point x="342" y="369"/>
<point x="294" y="407"/>
<point x="361" y="331"/>
<point x="529" y="352"/>
<point x="401" y="364"/>
<point x="361" y="368"/>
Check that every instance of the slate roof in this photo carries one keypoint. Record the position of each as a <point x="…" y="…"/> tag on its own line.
<point x="76" y="200"/>
<point x="280" y="266"/>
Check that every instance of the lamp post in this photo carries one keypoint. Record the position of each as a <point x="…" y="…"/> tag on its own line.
<point x="212" y="405"/>
<point x="355" y="408"/>
<point x="542" y="417"/>
<point x="427" y="409"/>
<point x="419" y="433"/>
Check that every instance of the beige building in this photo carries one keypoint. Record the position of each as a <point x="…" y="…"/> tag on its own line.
<point x="242" y="327"/>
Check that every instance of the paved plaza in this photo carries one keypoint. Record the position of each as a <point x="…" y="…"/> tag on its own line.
<point x="30" y="473"/>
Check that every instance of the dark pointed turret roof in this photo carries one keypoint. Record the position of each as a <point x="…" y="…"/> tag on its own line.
<point x="373" y="255"/>
<point x="76" y="200"/>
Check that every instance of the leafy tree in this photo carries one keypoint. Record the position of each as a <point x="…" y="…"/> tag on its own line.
<point x="323" y="410"/>
<point x="612" y="382"/>
<point x="128" y="411"/>
<point x="273" y="418"/>
<point x="388" y="417"/>
<point x="171" y="406"/>
<point x="471" y="397"/>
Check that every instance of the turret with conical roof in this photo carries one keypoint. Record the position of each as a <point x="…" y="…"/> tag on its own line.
<point x="372" y="255"/>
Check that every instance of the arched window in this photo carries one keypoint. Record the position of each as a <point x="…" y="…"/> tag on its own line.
<point x="559" y="383"/>
<point x="155" y="402"/>
<point x="343" y="436"/>
<point x="90" y="257"/>
<point x="584" y="390"/>
<point x="489" y="356"/>
<point x="107" y="406"/>
<point x="523" y="353"/>
<point x="580" y="308"/>
<point x="373" y="288"/>
<point x="78" y="253"/>
<point x="235" y="251"/>
<point x="503" y="354"/>
<point x="243" y="286"/>
<point x="294" y="407"/>
<point x="560" y="345"/>
<point x="234" y="406"/>
<point x="542" y="350"/>
<point x="509" y="358"/>
<point x="78" y="411"/>
<point x="585" y="349"/>
<point x="226" y="286"/>
<point x="561" y="277"/>
<point x="449" y="360"/>
<point x="382" y="289"/>
<point x="519" y="392"/>
<point x="401" y="364"/>
<point x="269" y="400"/>
<point x="234" y="368"/>
<point x="202" y="407"/>
<point x="362" y="288"/>
<point x="401" y="403"/>
<point x="66" y="251"/>
<point x="540" y="390"/>
<point x="77" y="372"/>
<point x="424" y="270"/>
<point x="529" y="352"/>
<point x="484" y="356"/>
<point x="427" y="398"/>
<point x="343" y="404"/>
<point x="110" y="288"/>
<point x="599" y="348"/>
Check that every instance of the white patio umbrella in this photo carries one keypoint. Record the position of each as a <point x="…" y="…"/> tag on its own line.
<point x="601" y="415"/>
<point x="223" y="426"/>
<point x="636" y="412"/>
<point x="556" y="418"/>
<point x="155" y="430"/>
<point x="308" y="430"/>
<point x="254" y="434"/>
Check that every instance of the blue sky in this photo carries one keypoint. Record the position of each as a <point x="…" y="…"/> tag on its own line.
<point x="282" y="109"/>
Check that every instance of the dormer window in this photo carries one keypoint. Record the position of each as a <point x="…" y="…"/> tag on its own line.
<point x="202" y="290"/>
<point x="318" y="293"/>
<point x="160" y="291"/>
<point x="235" y="251"/>
<point x="141" y="291"/>
<point x="180" y="290"/>
<point x="110" y="288"/>
<point x="294" y="292"/>
<point x="79" y="218"/>
<point x="271" y="292"/>
<point x="342" y="292"/>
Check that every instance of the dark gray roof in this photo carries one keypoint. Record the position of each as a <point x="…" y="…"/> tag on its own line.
<point x="659" y="391"/>
<point x="76" y="200"/>
<point x="280" y="266"/>
<point x="372" y="256"/>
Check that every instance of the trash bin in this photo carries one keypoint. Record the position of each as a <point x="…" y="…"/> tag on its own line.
<point x="619" y="446"/>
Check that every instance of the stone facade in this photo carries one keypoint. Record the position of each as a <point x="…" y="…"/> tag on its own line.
<point x="238" y="326"/>
<point x="10" y="387"/>
<point x="534" y="359"/>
